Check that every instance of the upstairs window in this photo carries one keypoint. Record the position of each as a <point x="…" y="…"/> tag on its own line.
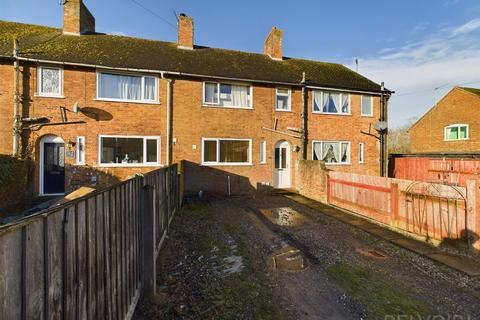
<point x="227" y="95"/>
<point x="367" y="106"/>
<point x="50" y="81"/>
<point x="456" y="132"/>
<point x="129" y="150"/>
<point x="283" y="99"/>
<point x="332" y="152"/>
<point x="226" y="151"/>
<point x="331" y="102"/>
<point x="122" y="87"/>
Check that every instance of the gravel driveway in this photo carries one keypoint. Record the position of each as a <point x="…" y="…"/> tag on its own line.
<point x="217" y="264"/>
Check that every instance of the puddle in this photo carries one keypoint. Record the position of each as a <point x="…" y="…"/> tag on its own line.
<point x="286" y="217"/>
<point x="288" y="258"/>
<point x="372" y="254"/>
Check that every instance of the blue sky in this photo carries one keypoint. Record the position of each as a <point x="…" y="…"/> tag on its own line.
<point x="414" y="46"/>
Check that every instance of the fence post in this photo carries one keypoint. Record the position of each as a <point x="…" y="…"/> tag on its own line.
<point x="394" y="204"/>
<point x="473" y="213"/>
<point x="148" y="275"/>
<point x="329" y="189"/>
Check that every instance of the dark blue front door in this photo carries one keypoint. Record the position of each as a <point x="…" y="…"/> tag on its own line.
<point x="53" y="168"/>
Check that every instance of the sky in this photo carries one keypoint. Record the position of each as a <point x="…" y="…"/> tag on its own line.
<point x="420" y="49"/>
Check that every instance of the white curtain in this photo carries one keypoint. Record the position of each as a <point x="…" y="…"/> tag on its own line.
<point x="120" y="87"/>
<point x="50" y="80"/>
<point x="149" y="93"/>
<point x="211" y="91"/>
<point x="317" y="151"/>
<point x="240" y="96"/>
<point x="330" y="102"/>
<point x="345" y="153"/>
<point x="345" y="103"/>
<point x="317" y="101"/>
<point x="331" y="152"/>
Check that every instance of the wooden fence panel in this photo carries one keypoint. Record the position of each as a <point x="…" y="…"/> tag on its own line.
<point x="11" y="279"/>
<point x="55" y="261"/>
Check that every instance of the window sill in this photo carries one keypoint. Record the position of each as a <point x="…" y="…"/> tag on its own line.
<point x="37" y="95"/>
<point x="367" y="115"/>
<point x="225" y="107"/>
<point x="456" y="140"/>
<point x="338" y="164"/>
<point x="281" y="110"/>
<point x="331" y="113"/>
<point x="128" y="101"/>
<point x="227" y="164"/>
<point x="132" y="165"/>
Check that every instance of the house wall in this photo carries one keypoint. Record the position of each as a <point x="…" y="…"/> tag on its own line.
<point x="191" y="122"/>
<point x="457" y="107"/>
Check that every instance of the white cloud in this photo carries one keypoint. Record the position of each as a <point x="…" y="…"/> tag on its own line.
<point x="444" y="59"/>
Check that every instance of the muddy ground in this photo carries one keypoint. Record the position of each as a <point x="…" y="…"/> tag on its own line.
<point x="218" y="264"/>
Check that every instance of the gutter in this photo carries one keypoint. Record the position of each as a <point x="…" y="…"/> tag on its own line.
<point x="196" y="75"/>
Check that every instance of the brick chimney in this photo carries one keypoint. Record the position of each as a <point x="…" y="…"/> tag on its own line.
<point x="272" y="46"/>
<point x="185" y="32"/>
<point x="76" y="18"/>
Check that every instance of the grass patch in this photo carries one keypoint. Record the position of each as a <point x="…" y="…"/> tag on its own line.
<point x="379" y="296"/>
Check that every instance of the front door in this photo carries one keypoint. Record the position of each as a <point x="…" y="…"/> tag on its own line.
<point x="282" y="165"/>
<point x="53" y="168"/>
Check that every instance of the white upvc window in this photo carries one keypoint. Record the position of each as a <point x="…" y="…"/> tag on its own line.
<point x="226" y="151"/>
<point x="227" y="95"/>
<point x="125" y="151"/>
<point x="330" y="102"/>
<point x="361" y="151"/>
<point x="332" y="152"/>
<point x="283" y="99"/>
<point x="50" y="81"/>
<point x="127" y="87"/>
<point x="263" y="152"/>
<point x="80" y="150"/>
<point x="367" y="106"/>
<point x="456" y="132"/>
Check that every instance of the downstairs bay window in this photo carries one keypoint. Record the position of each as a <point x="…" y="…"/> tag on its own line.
<point x="127" y="87"/>
<point x="227" y="95"/>
<point x="129" y="151"/>
<point x="331" y="102"/>
<point x="332" y="152"/>
<point x="226" y="151"/>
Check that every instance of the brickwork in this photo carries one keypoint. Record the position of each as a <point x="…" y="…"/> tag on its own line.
<point x="311" y="179"/>
<point x="185" y="32"/>
<point x="77" y="19"/>
<point x="273" y="44"/>
<point x="457" y="107"/>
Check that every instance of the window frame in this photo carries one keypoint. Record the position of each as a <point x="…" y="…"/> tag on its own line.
<point x="340" y="94"/>
<point x="80" y="153"/>
<point x="263" y="152"/>
<point x="143" y="164"/>
<point x="371" y="106"/>
<point x="142" y="89"/>
<point x="39" y="81"/>
<point x="288" y="95"/>
<point x="340" y="146"/>
<point x="217" y="105"/>
<point x="456" y="125"/>
<point x="217" y="163"/>
<point x="361" y="152"/>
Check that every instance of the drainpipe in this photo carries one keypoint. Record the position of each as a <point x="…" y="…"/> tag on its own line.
<point x="168" y="153"/>
<point x="383" y="134"/>
<point x="16" y="99"/>
<point x="304" y="118"/>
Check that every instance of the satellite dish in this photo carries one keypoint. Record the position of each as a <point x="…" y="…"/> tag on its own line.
<point x="76" y="108"/>
<point x="381" y="126"/>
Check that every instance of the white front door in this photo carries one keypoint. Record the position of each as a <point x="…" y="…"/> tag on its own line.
<point x="282" y="165"/>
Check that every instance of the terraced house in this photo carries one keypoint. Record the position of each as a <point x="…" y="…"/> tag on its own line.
<point x="92" y="108"/>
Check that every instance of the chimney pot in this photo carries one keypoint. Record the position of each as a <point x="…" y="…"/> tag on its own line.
<point x="272" y="46"/>
<point x="185" y="32"/>
<point x="77" y="19"/>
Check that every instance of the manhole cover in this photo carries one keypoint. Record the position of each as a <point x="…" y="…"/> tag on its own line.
<point x="289" y="258"/>
<point x="372" y="253"/>
<point x="286" y="217"/>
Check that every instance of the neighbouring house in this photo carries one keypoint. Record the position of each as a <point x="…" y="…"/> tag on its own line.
<point x="92" y="108"/>
<point x="445" y="142"/>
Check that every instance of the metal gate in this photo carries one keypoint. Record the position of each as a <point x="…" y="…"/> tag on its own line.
<point x="436" y="211"/>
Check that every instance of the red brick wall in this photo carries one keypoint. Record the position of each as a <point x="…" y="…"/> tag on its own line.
<point x="191" y="120"/>
<point x="458" y="106"/>
<point x="311" y="179"/>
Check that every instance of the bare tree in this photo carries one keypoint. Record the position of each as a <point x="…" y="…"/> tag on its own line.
<point x="399" y="138"/>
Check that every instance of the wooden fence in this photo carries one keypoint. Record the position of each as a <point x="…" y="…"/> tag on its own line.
<point x="88" y="258"/>
<point x="434" y="211"/>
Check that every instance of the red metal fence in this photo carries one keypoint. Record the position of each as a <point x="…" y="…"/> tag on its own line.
<point x="446" y="171"/>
